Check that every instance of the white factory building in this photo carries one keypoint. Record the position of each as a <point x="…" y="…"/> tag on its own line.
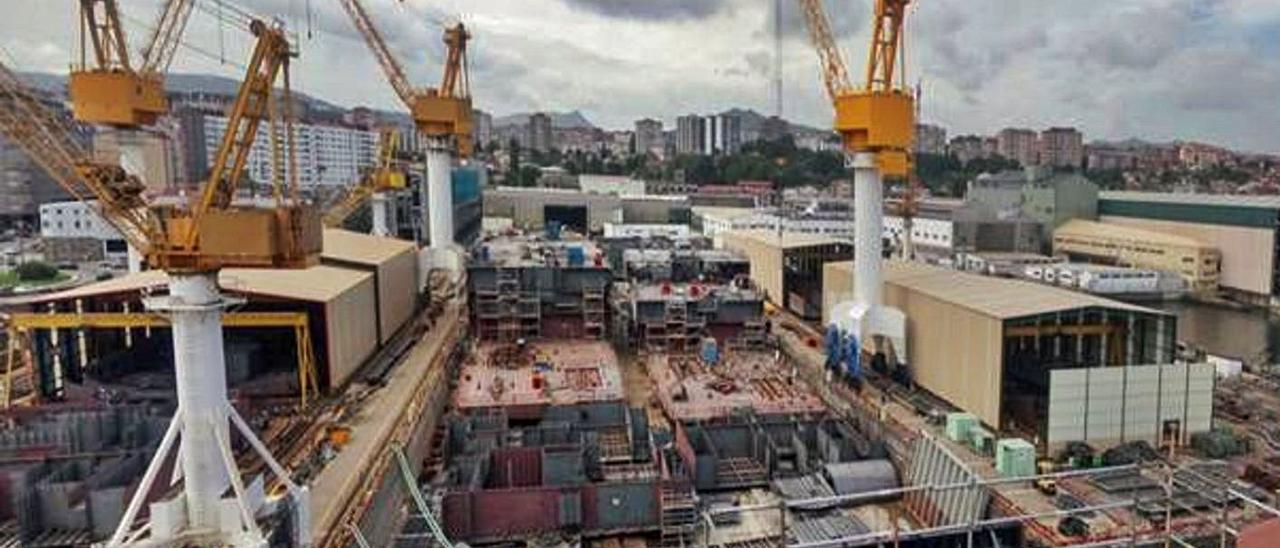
<point x="76" y="231"/>
<point x="717" y="220"/>
<point x="327" y="155"/>
<point x="934" y="237"/>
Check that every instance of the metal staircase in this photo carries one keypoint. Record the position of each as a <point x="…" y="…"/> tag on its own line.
<point x="679" y="516"/>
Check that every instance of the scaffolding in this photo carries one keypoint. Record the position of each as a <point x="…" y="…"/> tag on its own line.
<point x="21" y="375"/>
<point x="1226" y="517"/>
<point x="677" y="331"/>
<point x="679" y="516"/>
<point x="593" y="312"/>
<point x="506" y="313"/>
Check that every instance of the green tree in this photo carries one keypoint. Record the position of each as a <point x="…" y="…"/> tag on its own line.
<point x="36" y="271"/>
<point x="512" y="176"/>
<point x="528" y="176"/>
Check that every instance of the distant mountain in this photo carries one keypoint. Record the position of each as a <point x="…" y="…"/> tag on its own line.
<point x="752" y="120"/>
<point x="559" y="120"/>
<point x="174" y="83"/>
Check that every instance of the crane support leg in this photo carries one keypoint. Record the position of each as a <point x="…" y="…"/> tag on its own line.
<point x="868" y="251"/>
<point x="203" y="421"/>
<point x="439" y="206"/>
<point x="383" y="216"/>
<point x="866" y="316"/>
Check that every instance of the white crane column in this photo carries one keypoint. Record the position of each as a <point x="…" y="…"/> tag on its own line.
<point x="868" y="250"/>
<point x="195" y="312"/>
<point x="866" y="316"/>
<point x="439" y="206"/>
<point x="383" y="217"/>
<point x="202" y="423"/>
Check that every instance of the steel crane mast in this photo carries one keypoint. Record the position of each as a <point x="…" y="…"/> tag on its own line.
<point x="880" y="117"/>
<point x="113" y="90"/>
<point x="876" y="124"/>
<point x="191" y="243"/>
<point x="443" y="111"/>
<point x="387" y="176"/>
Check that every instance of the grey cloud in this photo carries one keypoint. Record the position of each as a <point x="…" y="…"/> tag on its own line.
<point x="1136" y="38"/>
<point x="848" y="20"/>
<point x="652" y="10"/>
<point x="1219" y="79"/>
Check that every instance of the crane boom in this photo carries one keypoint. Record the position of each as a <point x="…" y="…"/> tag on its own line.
<point x="454" y="82"/>
<point x="210" y="234"/>
<point x="442" y="112"/>
<point x="105" y="34"/>
<point x="50" y="142"/>
<point x="388" y="175"/>
<point x="165" y="37"/>
<point x="879" y="117"/>
<point x="390" y="66"/>
<point x="835" y="75"/>
<point x="886" y="42"/>
<point x="270" y="58"/>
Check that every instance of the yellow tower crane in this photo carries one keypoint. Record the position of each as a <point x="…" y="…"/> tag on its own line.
<point x="880" y="116"/>
<point x="388" y="176"/>
<point x="111" y="89"/>
<point x="441" y="114"/>
<point x="191" y="243"/>
<point x="876" y="124"/>
<point x="443" y="111"/>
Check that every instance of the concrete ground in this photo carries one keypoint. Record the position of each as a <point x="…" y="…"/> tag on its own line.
<point x="373" y="427"/>
<point x="639" y="389"/>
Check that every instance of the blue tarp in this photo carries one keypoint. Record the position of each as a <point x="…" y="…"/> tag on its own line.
<point x="467" y="182"/>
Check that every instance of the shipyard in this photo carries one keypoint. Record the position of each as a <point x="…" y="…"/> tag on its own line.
<point x="276" y="276"/>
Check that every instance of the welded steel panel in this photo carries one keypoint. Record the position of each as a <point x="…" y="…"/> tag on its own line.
<point x="1106" y="403"/>
<point x="1068" y="397"/>
<point x="1141" y="403"/>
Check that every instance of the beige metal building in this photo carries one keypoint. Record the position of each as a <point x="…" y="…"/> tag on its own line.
<point x="394" y="266"/>
<point x="1124" y="245"/>
<point x="987" y="345"/>
<point x="361" y="294"/>
<point x="788" y="268"/>
<point x="531" y="208"/>
<point x="340" y="302"/>
<point x="1244" y="229"/>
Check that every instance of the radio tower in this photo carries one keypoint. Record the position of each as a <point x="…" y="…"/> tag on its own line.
<point x="777" y="58"/>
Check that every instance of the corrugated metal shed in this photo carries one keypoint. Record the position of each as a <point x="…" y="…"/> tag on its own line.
<point x="787" y="240"/>
<point x="319" y="284"/>
<point x="1113" y="231"/>
<point x="955" y="324"/>
<point x="354" y="247"/>
<point x="997" y="298"/>
<point x="1236" y="200"/>
<point x="395" y="266"/>
<point x="350" y="337"/>
<point x="348" y="298"/>
<point x="316" y="284"/>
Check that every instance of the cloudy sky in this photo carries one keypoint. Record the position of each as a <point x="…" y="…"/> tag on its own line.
<point x="1158" y="69"/>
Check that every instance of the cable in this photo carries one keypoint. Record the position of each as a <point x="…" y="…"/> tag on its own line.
<point x="184" y="43"/>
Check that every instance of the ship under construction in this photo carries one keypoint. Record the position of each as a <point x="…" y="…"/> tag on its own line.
<point x="266" y="377"/>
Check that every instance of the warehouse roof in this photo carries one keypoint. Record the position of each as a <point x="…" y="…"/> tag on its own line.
<point x="730" y="213"/>
<point x="788" y="240"/>
<point x="1235" y="200"/>
<point x="1111" y="231"/>
<point x="364" y="249"/>
<point x="318" y="284"/>
<point x="999" y="298"/>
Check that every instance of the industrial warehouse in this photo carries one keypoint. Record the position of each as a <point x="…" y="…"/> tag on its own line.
<point x="431" y="327"/>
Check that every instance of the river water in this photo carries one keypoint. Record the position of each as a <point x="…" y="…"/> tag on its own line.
<point x="1249" y="335"/>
